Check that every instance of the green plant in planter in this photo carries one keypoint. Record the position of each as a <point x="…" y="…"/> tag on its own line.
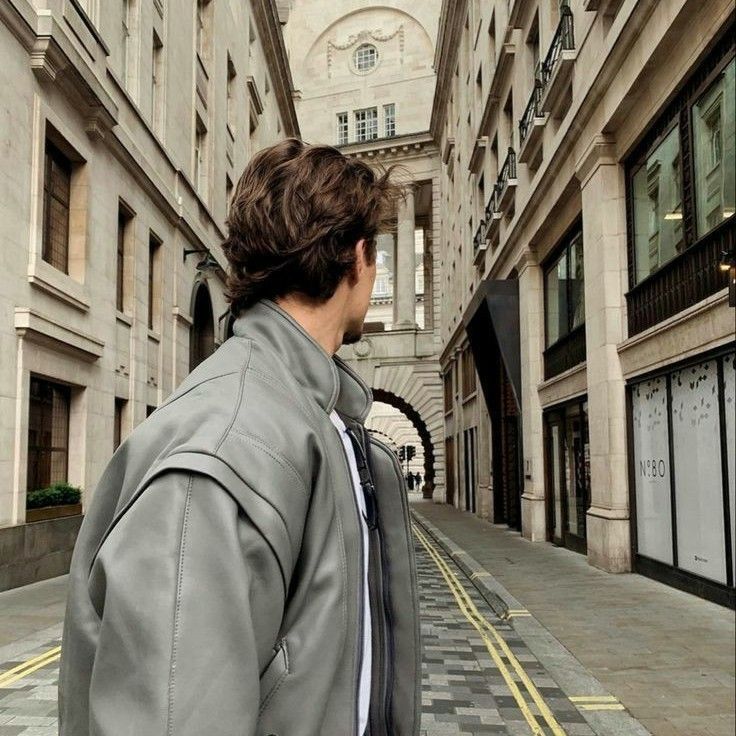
<point x="56" y="494"/>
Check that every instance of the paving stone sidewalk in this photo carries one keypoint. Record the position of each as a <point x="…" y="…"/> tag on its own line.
<point x="668" y="656"/>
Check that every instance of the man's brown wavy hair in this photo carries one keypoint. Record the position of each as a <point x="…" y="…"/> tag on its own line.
<point x="296" y="214"/>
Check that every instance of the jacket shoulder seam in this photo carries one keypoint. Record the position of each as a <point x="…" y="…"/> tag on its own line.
<point x="179" y="585"/>
<point x="273" y="453"/>
<point x="238" y="401"/>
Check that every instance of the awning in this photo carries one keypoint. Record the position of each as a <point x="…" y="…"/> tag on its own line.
<point x="492" y="323"/>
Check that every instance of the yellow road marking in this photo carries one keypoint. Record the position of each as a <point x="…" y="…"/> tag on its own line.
<point x="602" y="706"/>
<point x="470" y="611"/>
<point x="593" y="699"/>
<point x="25" y="668"/>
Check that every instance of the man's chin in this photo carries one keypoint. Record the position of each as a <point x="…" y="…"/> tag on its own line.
<point x="350" y="337"/>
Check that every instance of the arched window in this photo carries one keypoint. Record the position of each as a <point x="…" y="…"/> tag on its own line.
<point x="202" y="332"/>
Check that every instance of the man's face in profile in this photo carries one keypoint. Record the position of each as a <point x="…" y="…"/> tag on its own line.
<point x="365" y="276"/>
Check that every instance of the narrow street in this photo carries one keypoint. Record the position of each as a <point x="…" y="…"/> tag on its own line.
<point x="479" y="674"/>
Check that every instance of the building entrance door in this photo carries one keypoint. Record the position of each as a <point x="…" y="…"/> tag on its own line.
<point x="568" y="475"/>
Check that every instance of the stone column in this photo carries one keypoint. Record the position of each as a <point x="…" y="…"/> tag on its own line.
<point x="604" y="243"/>
<point x="531" y="342"/>
<point x="404" y="280"/>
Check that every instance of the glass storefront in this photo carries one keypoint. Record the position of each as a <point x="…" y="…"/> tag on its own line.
<point x="682" y="470"/>
<point x="568" y="474"/>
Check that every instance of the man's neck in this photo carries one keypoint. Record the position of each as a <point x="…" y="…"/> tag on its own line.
<point x="324" y="322"/>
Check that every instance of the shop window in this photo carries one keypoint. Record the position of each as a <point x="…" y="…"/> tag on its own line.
<point x="681" y="184"/>
<point x="48" y="433"/>
<point x="564" y="308"/>
<point x="683" y="475"/>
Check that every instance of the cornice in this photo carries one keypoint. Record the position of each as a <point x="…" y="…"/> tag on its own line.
<point x="448" y="42"/>
<point x="272" y="41"/>
<point x="393" y="147"/>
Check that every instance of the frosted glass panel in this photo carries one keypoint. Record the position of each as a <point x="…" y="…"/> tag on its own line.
<point x="698" y="475"/>
<point x="652" y="470"/>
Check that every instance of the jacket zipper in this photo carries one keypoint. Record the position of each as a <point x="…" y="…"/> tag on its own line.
<point x="389" y="658"/>
<point x="373" y="526"/>
<point x="361" y="597"/>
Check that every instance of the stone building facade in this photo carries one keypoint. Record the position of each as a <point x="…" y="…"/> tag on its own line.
<point x="587" y="245"/>
<point x="364" y="81"/>
<point x="124" y="128"/>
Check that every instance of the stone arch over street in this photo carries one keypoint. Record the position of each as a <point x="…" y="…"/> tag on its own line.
<point x="415" y="390"/>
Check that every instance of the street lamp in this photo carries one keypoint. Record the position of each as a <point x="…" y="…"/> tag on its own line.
<point x="208" y="263"/>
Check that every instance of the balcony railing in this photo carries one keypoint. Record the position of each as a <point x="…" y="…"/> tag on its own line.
<point x="506" y="182"/>
<point x="566" y="353"/>
<point x="687" y="279"/>
<point x="479" y="237"/>
<point x="531" y="111"/>
<point x="563" y="40"/>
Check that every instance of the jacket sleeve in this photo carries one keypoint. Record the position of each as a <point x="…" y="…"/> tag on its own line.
<point x="193" y="601"/>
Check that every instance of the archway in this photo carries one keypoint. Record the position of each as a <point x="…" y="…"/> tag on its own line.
<point x="386" y="397"/>
<point x="202" y="331"/>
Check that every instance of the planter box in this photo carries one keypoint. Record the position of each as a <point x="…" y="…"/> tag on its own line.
<point x="53" y="512"/>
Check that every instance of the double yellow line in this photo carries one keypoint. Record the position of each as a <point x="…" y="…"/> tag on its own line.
<point x="21" y="670"/>
<point x="495" y="642"/>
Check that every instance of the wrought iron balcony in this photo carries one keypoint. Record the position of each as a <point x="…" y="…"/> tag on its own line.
<point x="492" y="214"/>
<point x="532" y="121"/>
<point x="507" y="181"/>
<point x="480" y="243"/>
<point x="557" y="65"/>
<point x="687" y="279"/>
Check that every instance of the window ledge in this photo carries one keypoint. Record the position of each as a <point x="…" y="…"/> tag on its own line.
<point x="39" y="328"/>
<point x="124" y="318"/>
<point x="44" y="276"/>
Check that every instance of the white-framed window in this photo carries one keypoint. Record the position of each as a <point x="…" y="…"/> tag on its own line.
<point x="342" y="128"/>
<point x="389" y="119"/>
<point x="380" y="288"/>
<point x="366" y="124"/>
<point x="365" y="57"/>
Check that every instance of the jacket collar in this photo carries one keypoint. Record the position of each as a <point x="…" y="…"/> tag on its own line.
<point x="329" y="380"/>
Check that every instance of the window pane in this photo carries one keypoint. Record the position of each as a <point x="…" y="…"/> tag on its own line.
<point x="658" y="207"/>
<point x="556" y="308"/>
<point x="713" y="150"/>
<point x="577" y="291"/>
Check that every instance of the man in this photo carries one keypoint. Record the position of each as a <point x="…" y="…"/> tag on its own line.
<point x="246" y="565"/>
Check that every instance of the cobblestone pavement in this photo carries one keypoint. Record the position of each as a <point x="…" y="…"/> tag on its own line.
<point x="470" y="680"/>
<point x="478" y="675"/>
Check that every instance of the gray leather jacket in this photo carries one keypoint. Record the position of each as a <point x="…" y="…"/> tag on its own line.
<point x="216" y="583"/>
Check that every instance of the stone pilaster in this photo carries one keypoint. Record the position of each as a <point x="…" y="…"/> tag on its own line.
<point x="531" y="342"/>
<point x="604" y="242"/>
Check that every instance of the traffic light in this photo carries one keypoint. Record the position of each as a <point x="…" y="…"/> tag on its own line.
<point x="401" y="453"/>
<point x="410" y="451"/>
